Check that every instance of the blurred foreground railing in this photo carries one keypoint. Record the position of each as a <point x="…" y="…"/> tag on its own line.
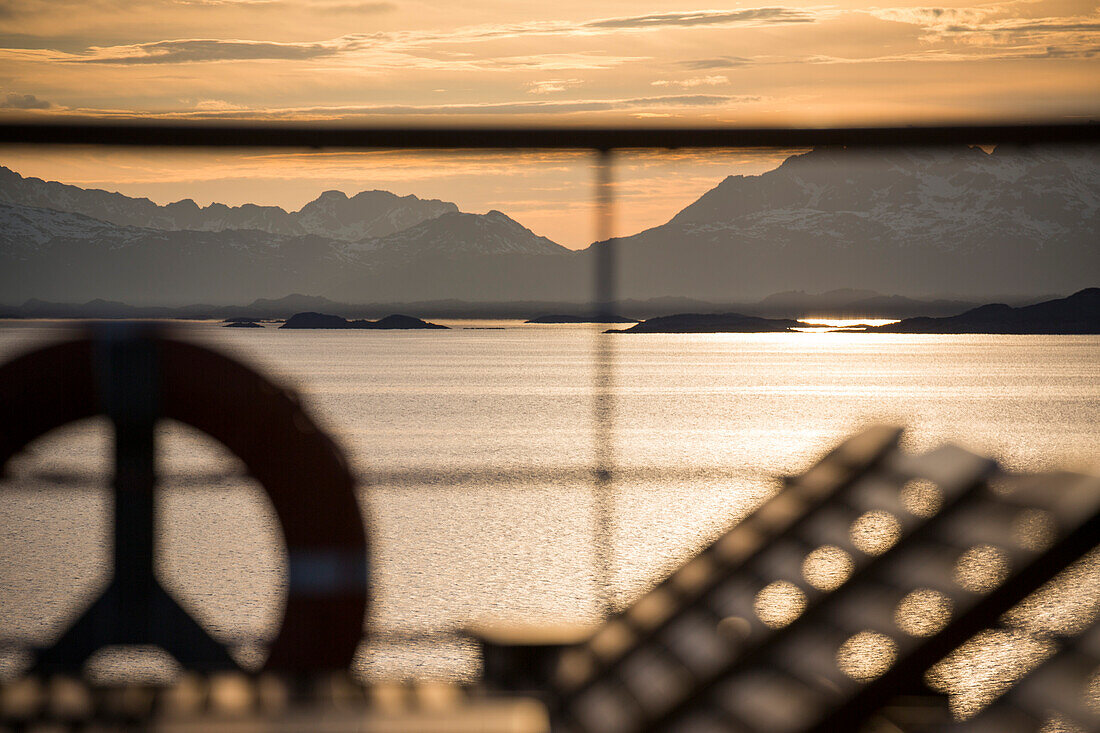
<point x="272" y="135"/>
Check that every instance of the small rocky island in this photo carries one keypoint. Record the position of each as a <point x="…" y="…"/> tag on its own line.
<point x="324" y="320"/>
<point x="239" y="323"/>
<point x="582" y="319"/>
<point x="712" y="323"/>
<point x="1077" y="314"/>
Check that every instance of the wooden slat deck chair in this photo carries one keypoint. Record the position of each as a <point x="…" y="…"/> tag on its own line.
<point x="1063" y="694"/>
<point x="825" y="608"/>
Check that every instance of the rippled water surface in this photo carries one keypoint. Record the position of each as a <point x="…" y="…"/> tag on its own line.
<point x="475" y="450"/>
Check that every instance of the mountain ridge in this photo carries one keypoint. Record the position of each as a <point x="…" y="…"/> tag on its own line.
<point x="912" y="223"/>
<point x="65" y="256"/>
<point x="333" y="214"/>
<point x="1078" y="313"/>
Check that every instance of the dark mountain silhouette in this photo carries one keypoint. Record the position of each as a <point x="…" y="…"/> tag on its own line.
<point x="64" y="256"/>
<point x="315" y="320"/>
<point x="711" y="323"/>
<point x="324" y="320"/>
<point x="800" y="300"/>
<point x="487" y="257"/>
<point x="936" y="221"/>
<point x="850" y="302"/>
<point x="333" y="214"/>
<point x="289" y="304"/>
<point x="282" y="308"/>
<point x="581" y="319"/>
<point x="1079" y="313"/>
<point x="494" y="233"/>
<point x="397" y="321"/>
<point x="898" y="306"/>
<point x="833" y="220"/>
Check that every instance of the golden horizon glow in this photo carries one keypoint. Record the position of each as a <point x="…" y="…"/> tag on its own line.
<point x="847" y="322"/>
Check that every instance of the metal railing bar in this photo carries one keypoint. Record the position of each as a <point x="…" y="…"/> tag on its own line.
<point x="259" y="135"/>
<point x="603" y="384"/>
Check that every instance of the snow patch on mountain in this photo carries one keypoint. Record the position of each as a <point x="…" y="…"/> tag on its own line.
<point x="460" y="234"/>
<point x="25" y="230"/>
<point x="332" y="215"/>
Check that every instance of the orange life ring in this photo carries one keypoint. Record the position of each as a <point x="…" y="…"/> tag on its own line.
<point x="302" y="470"/>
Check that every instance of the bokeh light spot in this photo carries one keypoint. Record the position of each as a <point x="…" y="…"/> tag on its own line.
<point x="923" y="612"/>
<point x="827" y="567"/>
<point x="875" y="532"/>
<point x="866" y="655"/>
<point x="779" y="603"/>
<point x="981" y="568"/>
<point x="921" y="497"/>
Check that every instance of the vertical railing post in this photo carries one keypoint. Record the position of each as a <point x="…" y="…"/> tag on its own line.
<point x="603" y="388"/>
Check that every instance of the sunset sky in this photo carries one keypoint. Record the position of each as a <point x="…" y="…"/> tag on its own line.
<point x="508" y="62"/>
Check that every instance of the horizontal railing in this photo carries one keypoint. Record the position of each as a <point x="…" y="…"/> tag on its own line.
<point x="267" y="135"/>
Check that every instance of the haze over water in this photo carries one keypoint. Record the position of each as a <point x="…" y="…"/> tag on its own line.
<point x="475" y="449"/>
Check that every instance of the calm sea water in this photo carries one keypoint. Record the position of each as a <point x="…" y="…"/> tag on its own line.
<point x="475" y="450"/>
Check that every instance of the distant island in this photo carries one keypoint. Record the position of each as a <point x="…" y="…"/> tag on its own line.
<point x="712" y="323"/>
<point x="831" y="304"/>
<point x="1076" y="314"/>
<point x="237" y="323"/>
<point x="582" y="319"/>
<point x="324" y="320"/>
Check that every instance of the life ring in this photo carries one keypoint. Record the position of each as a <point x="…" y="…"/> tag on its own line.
<point x="300" y="467"/>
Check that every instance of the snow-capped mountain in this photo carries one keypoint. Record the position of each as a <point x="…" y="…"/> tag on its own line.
<point x="366" y="214"/>
<point x="462" y="256"/>
<point x="60" y="255"/>
<point x="333" y="214"/>
<point x="957" y="221"/>
<point x="24" y="229"/>
<point x="51" y="254"/>
<point x="952" y="221"/>
<point x="458" y="233"/>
